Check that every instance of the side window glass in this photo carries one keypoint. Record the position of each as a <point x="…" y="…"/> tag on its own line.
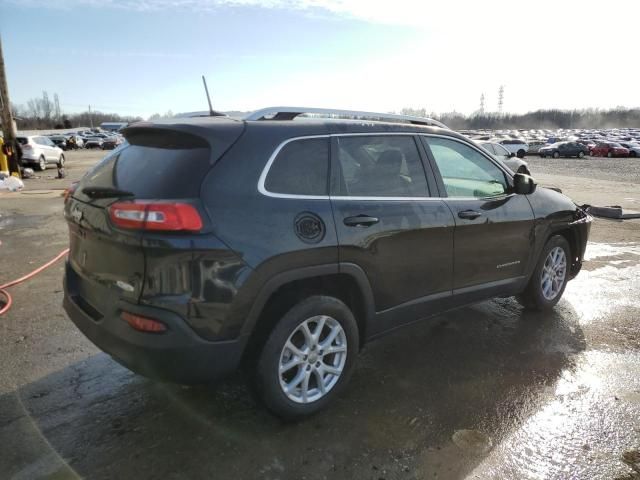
<point x="301" y="168"/>
<point x="380" y="166"/>
<point x="489" y="148"/>
<point x="500" y="150"/>
<point x="465" y="171"/>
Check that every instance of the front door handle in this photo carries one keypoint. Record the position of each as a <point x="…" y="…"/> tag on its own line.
<point x="360" y="221"/>
<point x="469" y="214"/>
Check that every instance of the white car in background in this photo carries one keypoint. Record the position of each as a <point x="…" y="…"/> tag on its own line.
<point x="514" y="145"/>
<point x="516" y="165"/>
<point x="40" y="151"/>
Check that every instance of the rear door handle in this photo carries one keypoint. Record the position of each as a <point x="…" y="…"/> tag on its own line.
<point x="469" y="214"/>
<point x="360" y="221"/>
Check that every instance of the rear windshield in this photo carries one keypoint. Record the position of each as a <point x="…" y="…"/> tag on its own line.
<point x="155" y="166"/>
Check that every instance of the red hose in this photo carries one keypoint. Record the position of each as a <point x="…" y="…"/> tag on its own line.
<point x="9" y="300"/>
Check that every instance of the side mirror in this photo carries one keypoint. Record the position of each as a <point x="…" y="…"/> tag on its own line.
<point x="523" y="184"/>
<point x="511" y="155"/>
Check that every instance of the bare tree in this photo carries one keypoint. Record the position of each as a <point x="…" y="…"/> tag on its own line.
<point x="56" y="107"/>
<point x="46" y="106"/>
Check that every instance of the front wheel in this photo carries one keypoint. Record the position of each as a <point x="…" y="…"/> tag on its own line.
<point x="556" y="155"/>
<point x="632" y="153"/>
<point x="42" y="164"/>
<point x="609" y="154"/>
<point x="580" y="154"/>
<point x="61" y="161"/>
<point x="307" y="358"/>
<point x="550" y="277"/>
<point x="521" y="153"/>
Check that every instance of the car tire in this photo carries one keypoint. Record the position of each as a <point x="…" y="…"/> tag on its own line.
<point x="550" y="276"/>
<point x="521" y="153"/>
<point x="580" y="154"/>
<point x="304" y="379"/>
<point x="543" y="156"/>
<point x="61" y="161"/>
<point x="42" y="164"/>
<point x="556" y="155"/>
<point x="632" y="154"/>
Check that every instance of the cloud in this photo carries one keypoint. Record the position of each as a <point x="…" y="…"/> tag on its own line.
<point x="460" y="15"/>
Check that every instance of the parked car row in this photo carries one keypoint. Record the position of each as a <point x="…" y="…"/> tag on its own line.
<point x="87" y="139"/>
<point x="623" y="142"/>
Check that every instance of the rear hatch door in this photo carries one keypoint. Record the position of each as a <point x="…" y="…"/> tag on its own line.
<point x="107" y="263"/>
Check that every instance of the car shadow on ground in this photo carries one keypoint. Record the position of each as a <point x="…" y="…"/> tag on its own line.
<point x="485" y="368"/>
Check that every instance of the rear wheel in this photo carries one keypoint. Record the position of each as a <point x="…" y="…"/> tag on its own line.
<point x="61" y="161"/>
<point x="609" y="154"/>
<point x="550" y="277"/>
<point x="580" y="154"/>
<point x="556" y="155"/>
<point x="42" y="164"/>
<point x="632" y="153"/>
<point x="521" y="153"/>
<point x="307" y="358"/>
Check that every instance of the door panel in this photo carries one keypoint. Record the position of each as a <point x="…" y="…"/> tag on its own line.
<point x="407" y="255"/>
<point x="494" y="228"/>
<point x="405" y="246"/>
<point x="495" y="245"/>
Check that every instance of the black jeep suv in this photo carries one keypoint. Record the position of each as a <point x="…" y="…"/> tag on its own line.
<point x="284" y="244"/>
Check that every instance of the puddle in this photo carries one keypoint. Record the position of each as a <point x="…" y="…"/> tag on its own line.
<point x="10" y="223"/>
<point x="609" y="281"/>
<point x="580" y="429"/>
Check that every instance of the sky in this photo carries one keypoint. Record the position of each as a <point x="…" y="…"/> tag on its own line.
<point x="139" y="57"/>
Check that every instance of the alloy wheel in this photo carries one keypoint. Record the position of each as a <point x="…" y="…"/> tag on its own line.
<point x="554" y="272"/>
<point x="312" y="359"/>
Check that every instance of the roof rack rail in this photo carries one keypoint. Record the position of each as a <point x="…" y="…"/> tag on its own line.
<point x="289" y="113"/>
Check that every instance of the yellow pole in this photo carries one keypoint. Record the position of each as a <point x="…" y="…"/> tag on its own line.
<point x="4" y="161"/>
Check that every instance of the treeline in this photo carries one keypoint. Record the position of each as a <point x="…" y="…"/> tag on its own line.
<point x="548" y="119"/>
<point x="44" y="113"/>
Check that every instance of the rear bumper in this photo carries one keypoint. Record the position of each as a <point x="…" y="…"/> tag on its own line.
<point x="178" y="355"/>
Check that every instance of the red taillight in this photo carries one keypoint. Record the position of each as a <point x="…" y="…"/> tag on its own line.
<point x="155" y="216"/>
<point x="68" y="192"/>
<point x="143" y="324"/>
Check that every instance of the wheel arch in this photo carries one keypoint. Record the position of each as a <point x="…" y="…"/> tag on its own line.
<point x="347" y="282"/>
<point x="571" y="236"/>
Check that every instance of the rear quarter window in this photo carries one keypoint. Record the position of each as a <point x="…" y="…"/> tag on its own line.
<point x="301" y="167"/>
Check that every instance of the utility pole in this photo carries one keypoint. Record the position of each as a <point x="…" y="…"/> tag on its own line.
<point x="8" y="126"/>
<point x="500" y="99"/>
<point x="90" y="117"/>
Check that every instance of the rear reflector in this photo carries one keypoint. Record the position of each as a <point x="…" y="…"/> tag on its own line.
<point x="68" y="192"/>
<point x="142" y="215"/>
<point x="143" y="324"/>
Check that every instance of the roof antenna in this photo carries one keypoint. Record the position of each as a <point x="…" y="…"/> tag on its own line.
<point x="211" y="112"/>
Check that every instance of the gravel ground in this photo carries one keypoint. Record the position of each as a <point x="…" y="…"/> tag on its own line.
<point x="595" y="168"/>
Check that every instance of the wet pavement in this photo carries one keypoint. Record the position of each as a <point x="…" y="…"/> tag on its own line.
<point x="489" y="391"/>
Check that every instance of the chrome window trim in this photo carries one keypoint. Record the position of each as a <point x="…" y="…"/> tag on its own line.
<point x="265" y="171"/>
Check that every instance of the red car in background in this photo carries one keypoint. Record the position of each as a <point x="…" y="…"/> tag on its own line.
<point x="609" y="149"/>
